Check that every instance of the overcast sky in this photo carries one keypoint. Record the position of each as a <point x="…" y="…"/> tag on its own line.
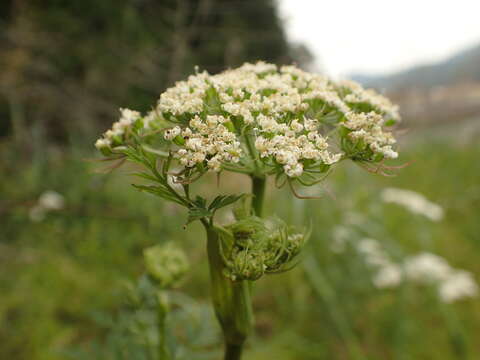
<point x="381" y="36"/>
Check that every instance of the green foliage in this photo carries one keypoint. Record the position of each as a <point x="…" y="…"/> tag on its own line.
<point x="223" y="200"/>
<point x="153" y="324"/>
<point x="199" y="209"/>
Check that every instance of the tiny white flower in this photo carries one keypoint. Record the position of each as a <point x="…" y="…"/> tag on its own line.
<point x="388" y="276"/>
<point x="172" y="133"/>
<point x="194" y="144"/>
<point x="296" y="126"/>
<point x="372" y="252"/>
<point x="51" y="200"/>
<point x="294" y="170"/>
<point x="102" y="143"/>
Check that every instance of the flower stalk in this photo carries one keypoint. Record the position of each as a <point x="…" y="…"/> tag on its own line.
<point x="231" y="299"/>
<point x="258" y="192"/>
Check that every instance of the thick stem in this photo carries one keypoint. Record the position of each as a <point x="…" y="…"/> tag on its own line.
<point x="258" y="191"/>
<point x="231" y="300"/>
<point x="233" y="352"/>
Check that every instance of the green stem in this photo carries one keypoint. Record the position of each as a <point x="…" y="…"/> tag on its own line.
<point x="258" y="191"/>
<point x="233" y="352"/>
<point x="253" y="153"/>
<point x="161" y="316"/>
<point x="231" y="299"/>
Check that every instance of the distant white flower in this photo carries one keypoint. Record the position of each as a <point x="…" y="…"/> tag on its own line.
<point x="51" y="200"/>
<point x="388" y="276"/>
<point x="47" y="201"/>
<point x="458" y="285"/>
<point x="373" y="253"/>
<point x="414" y="202"/>
<point x="340" y="238"/>
<point x="424" y="268"/>
<point x="427" y="267"/>
<point x="368" y="246"/>
<point x="452" y="284"/>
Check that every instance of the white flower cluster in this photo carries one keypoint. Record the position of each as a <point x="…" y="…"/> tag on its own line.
<point x="290" y="144"/>
<point x="424" y="268"/>
<point x="118" y="130"/>
<point x="284" y="111"/>
<point x="358" y="95"/>
<point x="453" y="284"/>
<point x="208" y="140"/>
<point x="185" y="96"/>
<point x="340" y="238"/>
<point x="459" y="284"/>
<point x="414" y="202"/>
<point x="368" y="127"/>
<point x="282" y="108"/>
<point x="388" y="274"/>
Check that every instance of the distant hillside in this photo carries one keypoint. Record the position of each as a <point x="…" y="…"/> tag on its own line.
<point x="448" y="91"/>
<point x="462" y="67"/>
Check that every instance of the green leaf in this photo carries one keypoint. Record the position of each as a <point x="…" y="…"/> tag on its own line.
<point x="159" y="191"/>
<point x="197" y="214"/>
<point x="390" y="122"/>
<point x="216" y="201"/>
<point x="146" y="176"/>
<point x="200" y="202"/>
<point x="131" y="154"/>
<point x="223" y="200"/>
<point x="160" y="153"/>
<point x="200" y="209"/>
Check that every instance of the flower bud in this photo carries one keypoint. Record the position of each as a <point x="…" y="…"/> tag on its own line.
<point x="166" y="264"/>
<point x="261" y="246"/>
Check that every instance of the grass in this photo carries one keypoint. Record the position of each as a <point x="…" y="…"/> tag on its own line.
<point x="59" y="275"/>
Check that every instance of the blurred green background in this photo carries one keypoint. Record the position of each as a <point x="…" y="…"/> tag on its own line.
<point x="66" y="67"/>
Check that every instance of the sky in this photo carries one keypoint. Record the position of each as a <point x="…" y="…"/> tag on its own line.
<point x="381" y="36"/>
